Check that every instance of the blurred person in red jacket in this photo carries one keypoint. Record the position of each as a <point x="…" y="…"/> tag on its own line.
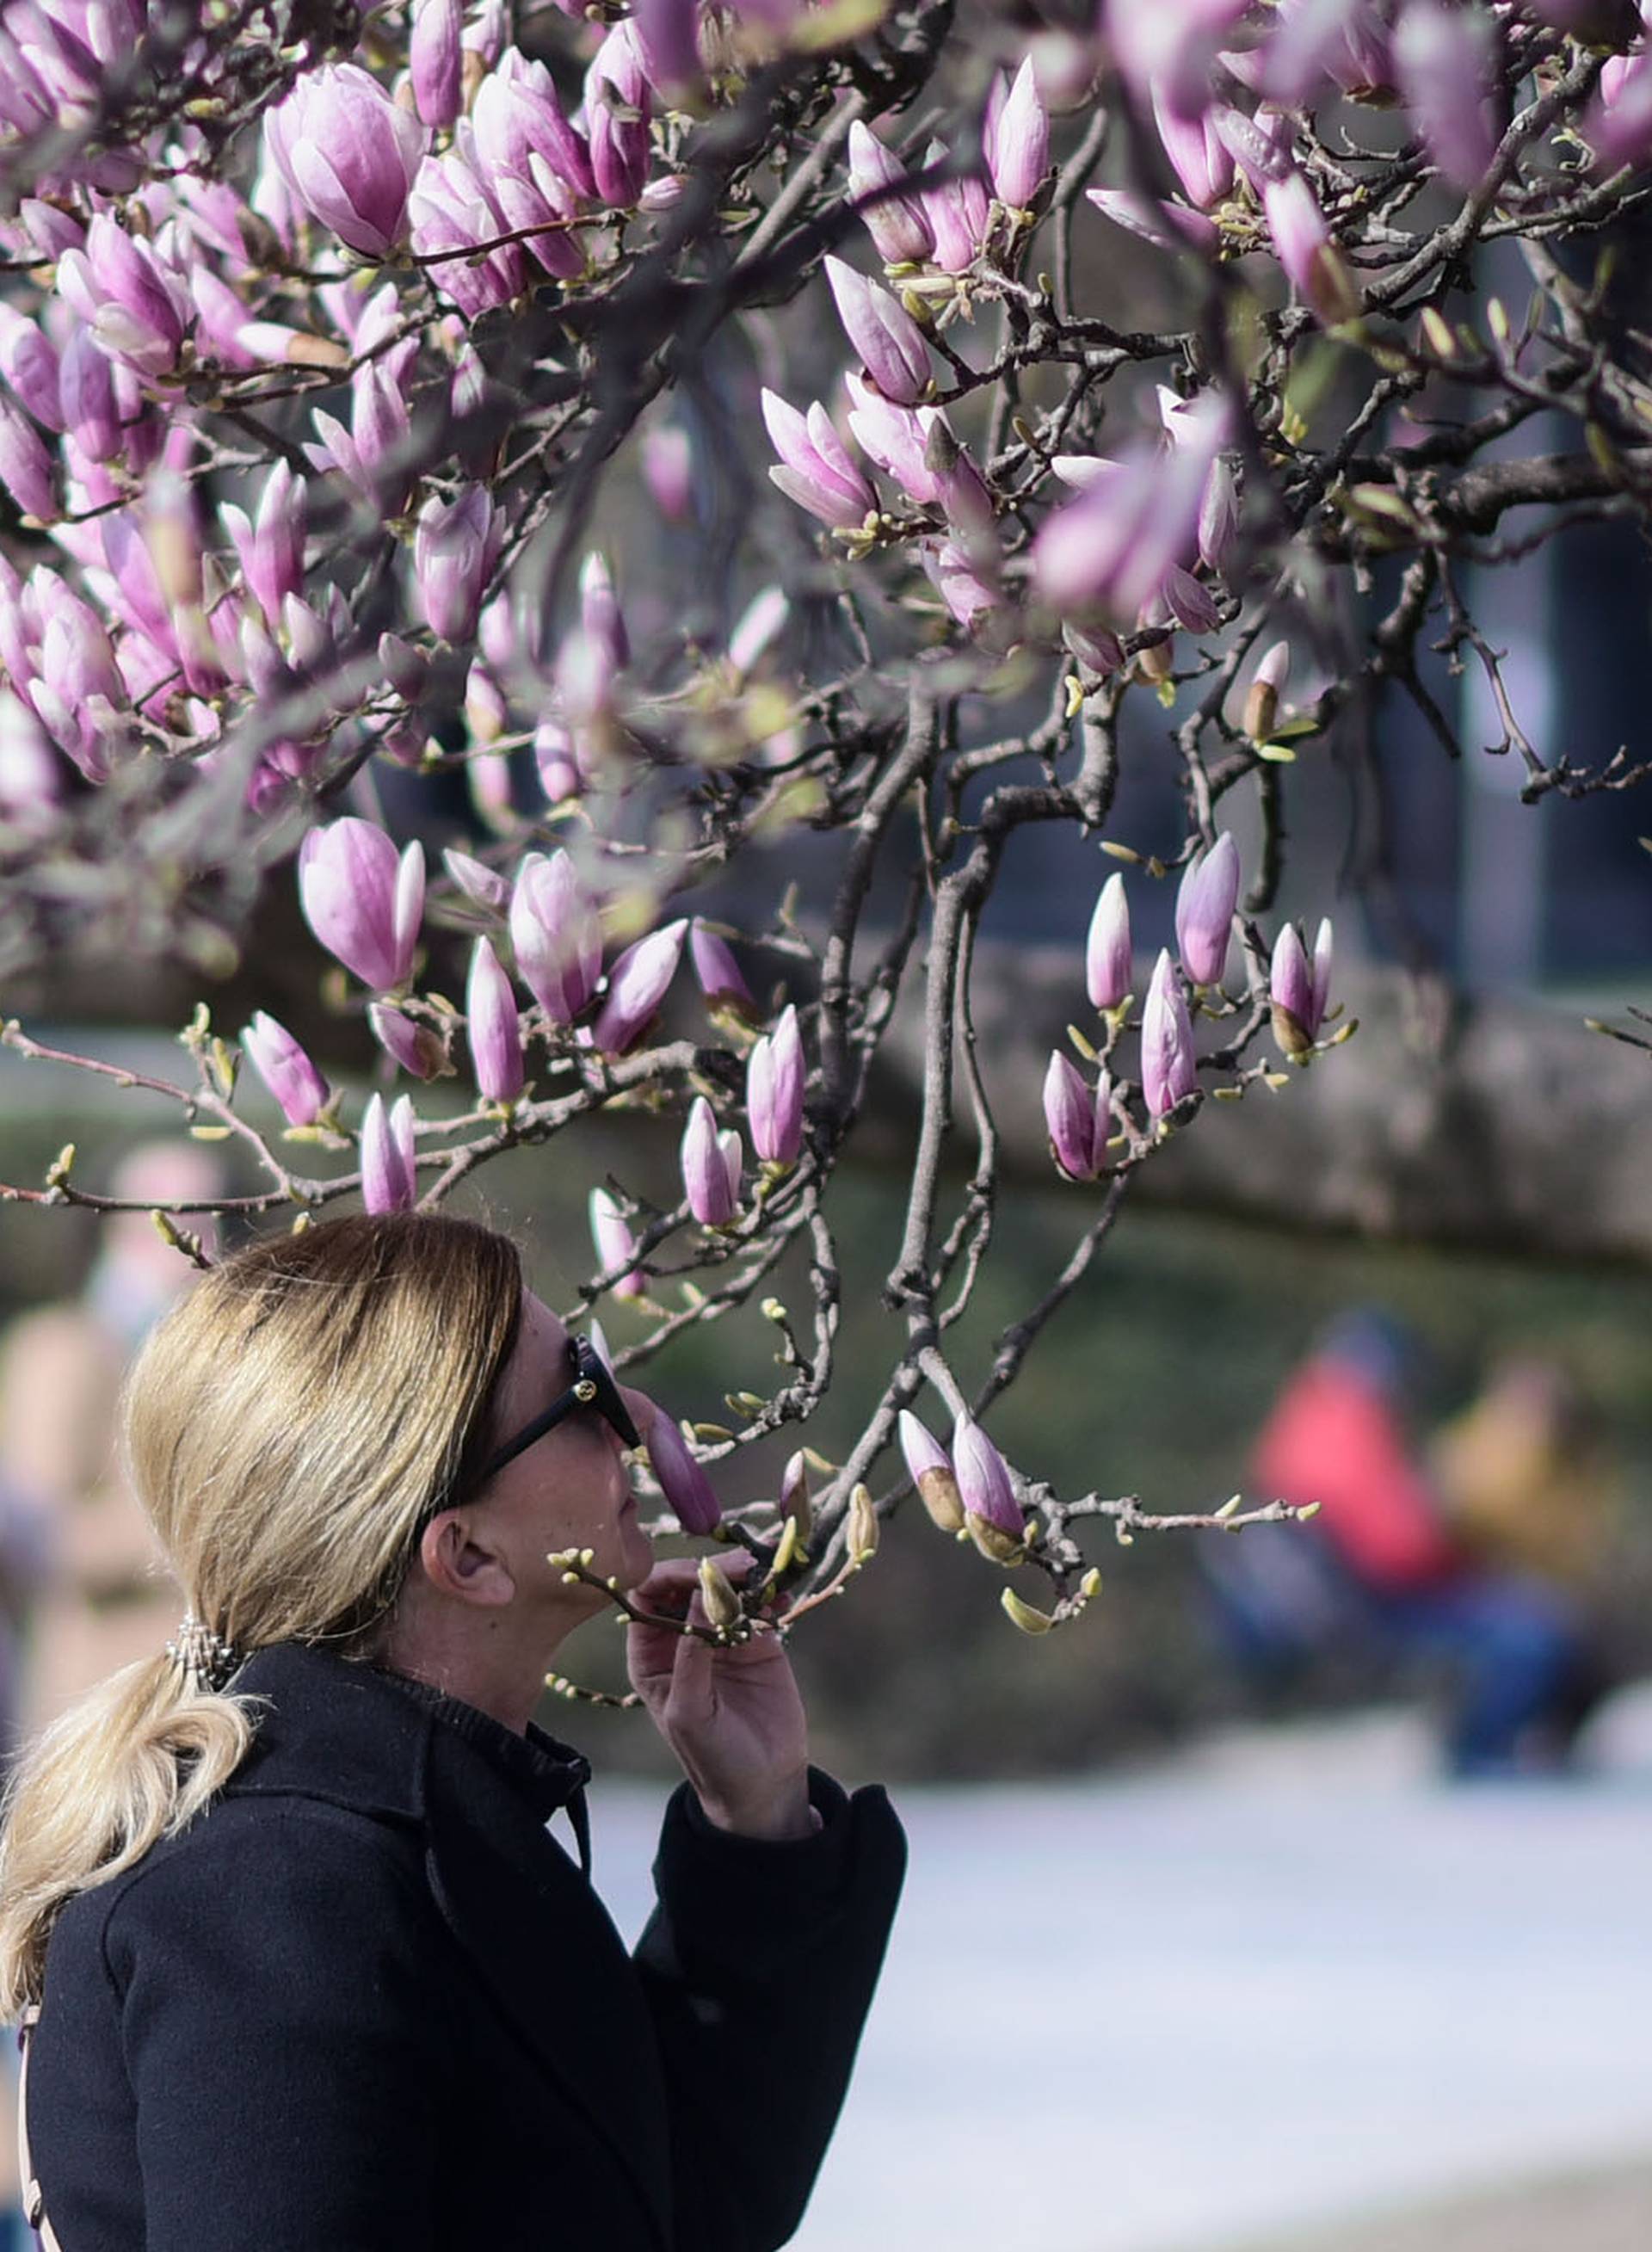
<point x="1384" y="1563"/>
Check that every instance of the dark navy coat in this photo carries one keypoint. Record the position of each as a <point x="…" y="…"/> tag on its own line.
<point x="367" y="2003"/>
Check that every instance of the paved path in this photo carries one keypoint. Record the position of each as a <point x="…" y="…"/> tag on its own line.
<point x="1608" y="2209"/>
<point x="1285" y="1983"/>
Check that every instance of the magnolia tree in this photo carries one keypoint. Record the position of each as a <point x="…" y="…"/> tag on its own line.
<point x="336" y="347"/>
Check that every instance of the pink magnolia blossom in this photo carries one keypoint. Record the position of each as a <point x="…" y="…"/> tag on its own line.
<point x="518" y="118"/>
<point x="637" y="984"/>
<point x="1115" y="546"/>
<point x="1445" y="60"/>
<point x="134" y="300"/>
<point x="889" y="341"/>
<point x="271" y="543"/>
<point x="556" y="935"/>
<point x="1107" y="955"/>
<point x="816" y="469"/>
<point x="1079" y="1119"/>
<point x="25" y="466"/>
<point x="364" y="902"/>
<point x="1170" y="1070"/>
<point x="348" y="153"/>
<point x="410" y="1044"/>
<point x="1204" y="907"/>
<point x="434" y="58"/>
<point x="494" y="1027"/>
<point x="668" y="470"/>
<point x="616" y="1245"/>
<point x="1016" y="142"/>
<point x="88" y="399"/>
<point x="616" y="113"/>
<point x="1198" y="153"/>
<point x="984" y="1485"/>
<point x="896" y="221"/>
<point x="1167" y="225"/>
<point x="721" y="978"/>
<point x="389" y="1156"/>
<point x="1303" y="245"/>
<point x="29" y="364"/>
<point x="774" y="1075"/>
<point x="454" y="551"/>
<point x="929" y="1467"/>
<point x="711" y="1167"/>
<point x="1299" y="991"/>
<point x="958" y="210"/>
<point x="688" y="1491"/>
<point x="458" y="222"/>
<point x="285" y="1069"/>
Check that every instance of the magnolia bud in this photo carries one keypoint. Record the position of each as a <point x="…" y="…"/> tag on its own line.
<point x="1023" y="1615"/>
<point x="1267" y="686"/>
<point x="863" y="1525"/>
<point x="722" y="1605"/>
<point x="795" y="1503"/>
<point x="687" y="1490"/>
<point x="931" y="1473"/>
<point x="991" y="1511"/>
<point x="1204" y="908"/>
<point x="414" y="1046"/>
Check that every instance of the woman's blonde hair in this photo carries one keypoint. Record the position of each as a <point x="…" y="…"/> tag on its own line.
<point x="288" y="1427"/>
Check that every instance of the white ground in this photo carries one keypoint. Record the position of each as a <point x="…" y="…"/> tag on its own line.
<point x="1290" y="1979"/>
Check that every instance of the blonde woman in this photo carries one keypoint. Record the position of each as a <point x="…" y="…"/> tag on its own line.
<point x="312" y="1970"/>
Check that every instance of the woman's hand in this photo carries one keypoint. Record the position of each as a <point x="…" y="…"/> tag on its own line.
<point x="732" y="1715"/>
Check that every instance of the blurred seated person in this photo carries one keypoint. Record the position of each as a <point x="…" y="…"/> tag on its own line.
<point x="1526" y="1477"/>
<point x="111" y="1598"/>
<point x="1382" y="1571"/>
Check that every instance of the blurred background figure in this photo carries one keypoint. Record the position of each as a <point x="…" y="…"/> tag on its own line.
<point x="108" y="1601"/>
<point x="1387" y="1574"/>
<point x="82" y="1590"/>
<point x="27" y="1552"/>
<point x="1528" y="1478"/>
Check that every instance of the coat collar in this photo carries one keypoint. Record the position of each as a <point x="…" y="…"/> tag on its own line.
<point x="524" y="1916"/>
<point x="358" y="1736"/>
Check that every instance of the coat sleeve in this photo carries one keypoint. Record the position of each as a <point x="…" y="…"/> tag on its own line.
<point x="759" y="1966"/>
<point x="274" y="1982"/>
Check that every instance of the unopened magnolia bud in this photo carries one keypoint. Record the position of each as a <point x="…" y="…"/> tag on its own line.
<point x="863" y="1525"/>
<point x="1291" y="1036"/>
<point x="1267" y="686"/>
<point x="722" y="1605"/>
<point x="991" y="1511"/>
<point x="995" y="1546"/>
<point x="931" y="1473"/>
<point x="1090" y="1585"/>
<point x="794" y="1502"/>
<point x="1023" y="1615"/>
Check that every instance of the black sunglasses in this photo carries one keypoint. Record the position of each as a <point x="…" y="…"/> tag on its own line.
<point x="593" y="1387"/>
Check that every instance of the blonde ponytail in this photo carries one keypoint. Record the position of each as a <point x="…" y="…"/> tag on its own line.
<point x="134" y="1760"/>
<point x="289" y="1426"/>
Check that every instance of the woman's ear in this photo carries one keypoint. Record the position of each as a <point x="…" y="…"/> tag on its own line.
<point x="463" y="1564"/>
